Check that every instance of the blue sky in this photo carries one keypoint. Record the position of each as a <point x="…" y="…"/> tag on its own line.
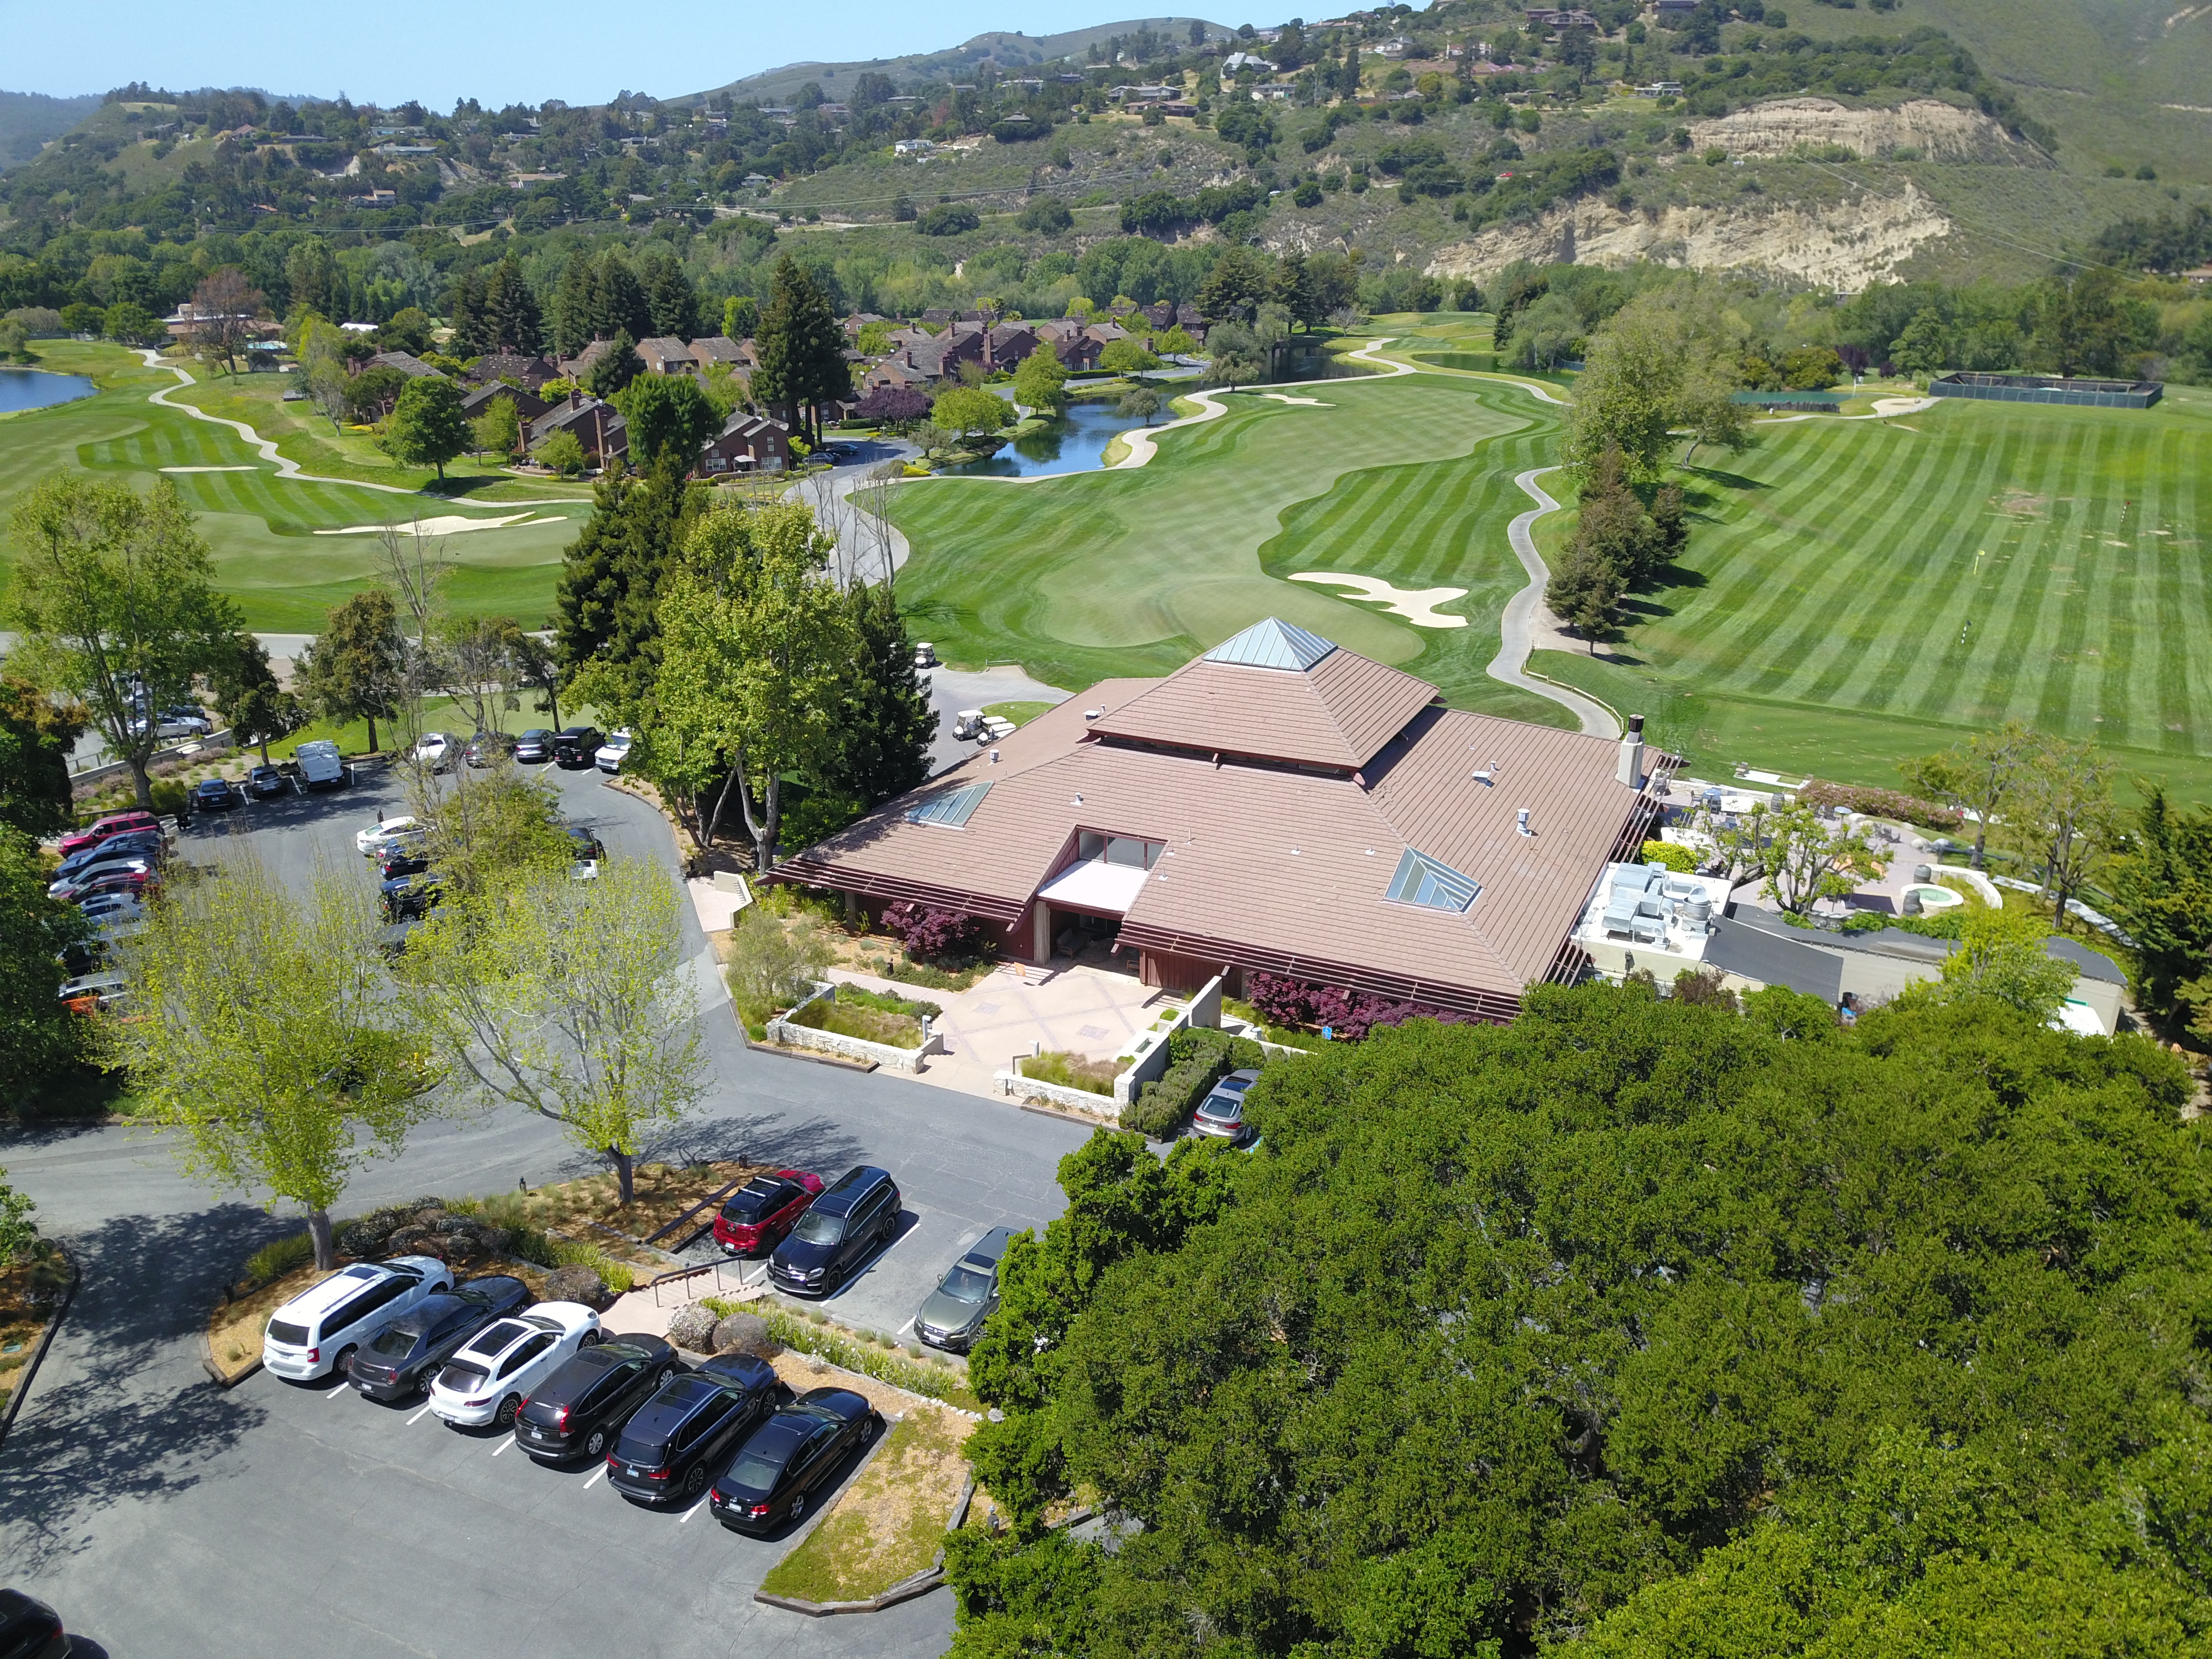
<point x="441" y="51"/>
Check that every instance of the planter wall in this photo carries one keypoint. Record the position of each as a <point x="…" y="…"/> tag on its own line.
<point x="785" y="1030"/>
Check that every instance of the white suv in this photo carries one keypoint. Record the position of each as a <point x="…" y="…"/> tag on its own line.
<point x="486" y="1382"/>
<point x="317" y="1331"/>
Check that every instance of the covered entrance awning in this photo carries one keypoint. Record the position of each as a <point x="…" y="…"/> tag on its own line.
<point x="1095" y="885"/>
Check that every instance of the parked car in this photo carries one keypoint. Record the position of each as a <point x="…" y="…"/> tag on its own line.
<point x="407" y="1353"/>
<point x="407" y="856"/>
<point x="1221" y="1113"/>
<point x="216" y="795"/>
<point x="671" y="1449"/>
<point x="788" y="1462"/>
<point x="89" y="993"/>
<point x="584" y="853"/>
<point x="579" y="1411"/>
<point x="29" y="1629"/>
<point x="486" y="747"/>
<point x="433" y="749"/>
<point x="100" y="829"/>
<point x="102" y="908"/>
<point x="614" y="751"/>
<point x="322" y="766"/>
<point x="319" y="1330"/>
<point x="174" y="723"/>
<point x="148" y="843"/>
<point x="130" y="875"/>
<point x="534" y="746"/>
<point x="373" y="841"/>
<point x="758" y="1215"/>
<point x="853" y="1217"/>
<point x="402" y="898"/>
<point x="267" y="782"/>
<point x="573" y="749"/>
<point x="486" y="1382"/>
<point x="952" y="1315"/>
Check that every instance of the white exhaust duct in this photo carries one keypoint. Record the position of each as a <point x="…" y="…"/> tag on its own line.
<point x="1630" y="769"/>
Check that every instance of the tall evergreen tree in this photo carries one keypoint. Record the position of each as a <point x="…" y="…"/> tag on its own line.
<point x="885" y="724"/>
<point x="464" y="314"/>
<point x="618" y="368"/>
<point x="572" y="306"/>
<point x="618" y="301"/>
<point x="802" y="350"/>
<point x="673" y="302"/>
<point x="511" y="320"/>
<point x="607" y="598"/>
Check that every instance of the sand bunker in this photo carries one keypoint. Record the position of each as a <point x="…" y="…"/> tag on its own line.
<point x="451" y="525"/>
<point x="1286" y="397"/>
<point x="1415" y="605"/>
<point x="210" y="469"/>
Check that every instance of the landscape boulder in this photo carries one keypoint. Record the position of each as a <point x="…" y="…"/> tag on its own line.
<point x="693" y="1327"/>
<point x="579" y="1285"/>
<point x="744" y="1333"/>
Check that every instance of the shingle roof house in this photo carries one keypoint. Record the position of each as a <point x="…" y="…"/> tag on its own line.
<point x="1280" y="804"/>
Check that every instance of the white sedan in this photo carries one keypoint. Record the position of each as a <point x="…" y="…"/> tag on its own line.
<point x="435" y="749"/>
<point x="614" y="751"/>
<point x="485" y="1383"/>
<point x="373" y="841"/>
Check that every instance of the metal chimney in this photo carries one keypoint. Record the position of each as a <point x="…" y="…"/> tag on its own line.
<point x="1630" y="769"/>
<point x="1521" y="822"/>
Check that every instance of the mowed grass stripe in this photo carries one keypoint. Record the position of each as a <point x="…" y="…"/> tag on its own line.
<point x="2182" y="605"/>
<point x="2004" y="679"/>
<point x="2062" y="618"/>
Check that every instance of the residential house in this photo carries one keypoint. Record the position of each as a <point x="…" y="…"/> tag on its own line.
<point x="1140" y="94"/>
<point x="1276" y="91"/>
<point x="405" y="362"/>
<point x="1072" y="342"/>
<point x="1007" y="344"/>
<point x="528" y="405"/>
<point x="913" y="149"/>
<point x="1279" y="805"/>
<point x="1244" y="60"/>
<point x="663" y="354"/>
<point x="187" y="321"/>
<point x="599" y="427"/>
<point x="532" y="372"/>
<point x="2201" y="276"/>
<point x="746" y="443"/>
<point x="576" y="367"/>
<point x="711" y="348"/>
<point x="859" y="320"/>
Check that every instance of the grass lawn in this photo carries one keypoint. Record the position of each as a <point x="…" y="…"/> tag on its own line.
<point x="260" y="528"/>
<point x="1407" y="480"/>
<point x="1021" y="713"/>
<point x="890" y="1523"/>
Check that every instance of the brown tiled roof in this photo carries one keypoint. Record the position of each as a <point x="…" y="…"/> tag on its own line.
<point x="1338" y="711"/>
<point x="1273" y="866"/>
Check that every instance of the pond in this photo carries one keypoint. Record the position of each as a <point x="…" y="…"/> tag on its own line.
<point x="1073" y="443"/>
<point x="34" y="388"/>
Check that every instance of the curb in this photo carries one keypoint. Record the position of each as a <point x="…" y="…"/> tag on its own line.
<point x="22" y="1389"/>
<point x="215" y="1373"/>
<point x="907" y="1588"/>
<point x="1065" y="1115"/>
<point x="813" y="1058"/>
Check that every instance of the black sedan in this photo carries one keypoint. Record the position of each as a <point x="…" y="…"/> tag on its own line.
<point x="791" y="1459"/>
<point x="534" y="746"/>
<point x="671" y="1448"/>
<point x="409" y="856"/>
<point x="267" y="783"/>
<point x="29" y="1629"/>
<point x="405" y="897"/>
<point x="578" y="1410"/>
<point x="216" y="795"/>
<point x="407" y="1354"/>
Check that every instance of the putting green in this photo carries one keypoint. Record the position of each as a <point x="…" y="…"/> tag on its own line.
<point x="260" y="528"/>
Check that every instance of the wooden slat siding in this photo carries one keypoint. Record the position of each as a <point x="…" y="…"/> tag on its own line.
<point x="1227" y="953"/>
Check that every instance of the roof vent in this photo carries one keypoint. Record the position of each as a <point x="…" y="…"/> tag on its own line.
<point x="1093" y="713"/>
<point x="994" y="757"/>
<point x="1521" y="822"/>
<point x="1487" y="775"/>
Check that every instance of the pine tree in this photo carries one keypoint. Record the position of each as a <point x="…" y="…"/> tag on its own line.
<point x="670" y="296"/>
<point x="618" y="301"/>
<point x="618" y="368"/>
<point x="572" y="306"/>
<point x="802" y="350"/>
<point x="884" y="723"/>
<point x="610" y="578"/>
<point x="464" y="313"/>
<point x="512" y="321"/>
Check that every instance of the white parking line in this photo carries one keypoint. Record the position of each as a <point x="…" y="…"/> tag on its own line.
<point x="502" y="1446"/>
<point x="343" y="1388"/>
<point x="418" y="1416"/>
<point x="596" y="1479"/>
<point x="695" y="1509"/>
<point x="904" y="1329"/>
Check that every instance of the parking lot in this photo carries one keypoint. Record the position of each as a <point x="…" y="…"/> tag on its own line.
<point x="167" y="1518"/>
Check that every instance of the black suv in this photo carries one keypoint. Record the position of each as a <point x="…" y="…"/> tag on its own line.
<point x="577" y="747"/>
<point x="578" y="1410"/>
<point x="677" y="1440"/>
<point x="855" y="1216"/>
<point x="408" y="1351"/>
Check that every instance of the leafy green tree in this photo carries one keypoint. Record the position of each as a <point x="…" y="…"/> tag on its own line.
<point x="313" y="279"/>
<point x="256" y="707"/>
<point x="1045" y="216"/>
<point x="1176" y="343"/>
<point x="1240" y="282"/>
<point x="39" y="1038"/>
<point x="132" y="325"/>
<point x="1667" y="360"/>
<point x="426" y="427"/>
<point x="2161" y="889"/>
<point x="2063" y="824"/>
<point x="968" y="411"/>
<point x="616" y="368"/>
<point x="802" y="350"/>
<point x="1126" y="357"/>
<point x="356" y="667"/>
<point x="1813" y="858"/>
<point x="15" y="342"/>
<point x="1982" y="777"/>
<point x="498" y="430"/>
<point x="1041" y="382"/>
<point x="1142" y="401"/>
<point x="18" y="1231"/>
<point x="740" y="317"/>
<point x="113" y="597"/>
<point x="368" y="394"/>
<point x="562" y="454"/>
<point x="36" y="735"/>
<point x="409" y="331"/>
<point x="1925" y="348"/>
<point x="263" y="1031"/>
<point x="494" y="830"/>
<point x="669" y="414"/>
<point x="568" y="998"/>
<point x="2001" y="955"/>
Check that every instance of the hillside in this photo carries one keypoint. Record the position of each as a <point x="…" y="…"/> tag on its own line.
<point x="29" y="119"/>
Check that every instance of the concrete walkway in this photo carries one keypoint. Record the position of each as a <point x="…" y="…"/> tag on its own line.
<point x="1517" y="627"/>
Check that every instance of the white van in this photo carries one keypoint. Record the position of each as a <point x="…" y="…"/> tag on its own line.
<point x="316" y="1332"/>
<point x="319" y="765"/>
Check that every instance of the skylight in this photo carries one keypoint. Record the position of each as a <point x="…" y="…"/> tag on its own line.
<point x="1273" y="644"/>
<point x="1420" y="880"/>
<point x="952" y="809"/>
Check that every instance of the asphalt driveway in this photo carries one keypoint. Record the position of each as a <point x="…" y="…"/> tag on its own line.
<point x="168" y="1519"/>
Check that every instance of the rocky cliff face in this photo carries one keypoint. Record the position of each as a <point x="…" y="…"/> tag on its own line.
<point x="1938" y="131"/>
<point x="1845" y="245"/>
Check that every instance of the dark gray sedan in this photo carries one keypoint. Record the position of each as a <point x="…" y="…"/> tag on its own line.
<point x="952" y="1314"/>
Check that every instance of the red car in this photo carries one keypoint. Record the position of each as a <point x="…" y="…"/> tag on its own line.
<point x="113" y="824"/>
<point x="760" y="1214"/>
<point x="131" y="879"/>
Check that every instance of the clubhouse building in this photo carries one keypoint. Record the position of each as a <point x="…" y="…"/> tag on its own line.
<point x="1279" y="805"/>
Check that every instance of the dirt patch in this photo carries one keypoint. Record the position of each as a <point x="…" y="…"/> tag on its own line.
<point x="804" y="1371"/>
<point x="2018" y="504"/>
<point x="1938" y="130"/>
<point x="28" y="1295"/>
<point x="890" y="1523"/>
<point x="662" y="1192"/>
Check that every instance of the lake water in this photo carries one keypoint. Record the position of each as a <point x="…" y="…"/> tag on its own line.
<point x="34" y="388"/>
<point x="1073" y="443"/>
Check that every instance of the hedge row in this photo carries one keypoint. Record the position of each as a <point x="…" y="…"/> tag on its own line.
<point x="1198" y="1057"/>
<point x="1881" y="804"/>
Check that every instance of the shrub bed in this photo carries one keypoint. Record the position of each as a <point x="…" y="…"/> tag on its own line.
<point x="1071" y="1071"/>
<point x="1198" y="1057"/>
<point x="868" y="1024"/>
<point x="1682" y="860"/>
<point x="933" y="1379"/>
<point x="1881" y="804"/>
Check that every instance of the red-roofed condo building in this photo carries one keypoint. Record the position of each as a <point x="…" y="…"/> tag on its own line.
<point x="1282" y="805"/>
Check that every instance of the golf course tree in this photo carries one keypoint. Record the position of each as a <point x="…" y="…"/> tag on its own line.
<point x="1242" y="281"/>
<point x="1585" y="592"/>
<point x="1128" y="356"/>
<point x="668" y="414"/>
<point x="2063" y="825"/>
<point x="498" y="430"/>
<point x="1670" y="359"/>
<point x="1809" y="857"/>
<point x="2001" y="957"/>
<point x="1040" y="383"/>
<point x="112" y="596"/>
<point x="802" y="351"/>
<point x="1235" y="357"/>
<point x="568" y="998"/>
<point x="1141" y="401"/>
<point x="1618" y="545"/>
<point x="264" y="1033"/>
<point x="257" y="708"/>
<point x="883" y="725"/>
<point x="37" y="733"/>
<point x="606" y="602"/>
<point x="225" y="307"/>
<point x="536" y="667"/>
<point x="356" y="668"/>
<point x="1980" y="777"/>
<point x="968" y="412"/>
<point x="1613" y="1331"/>
<point x="2161" y="893"/>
